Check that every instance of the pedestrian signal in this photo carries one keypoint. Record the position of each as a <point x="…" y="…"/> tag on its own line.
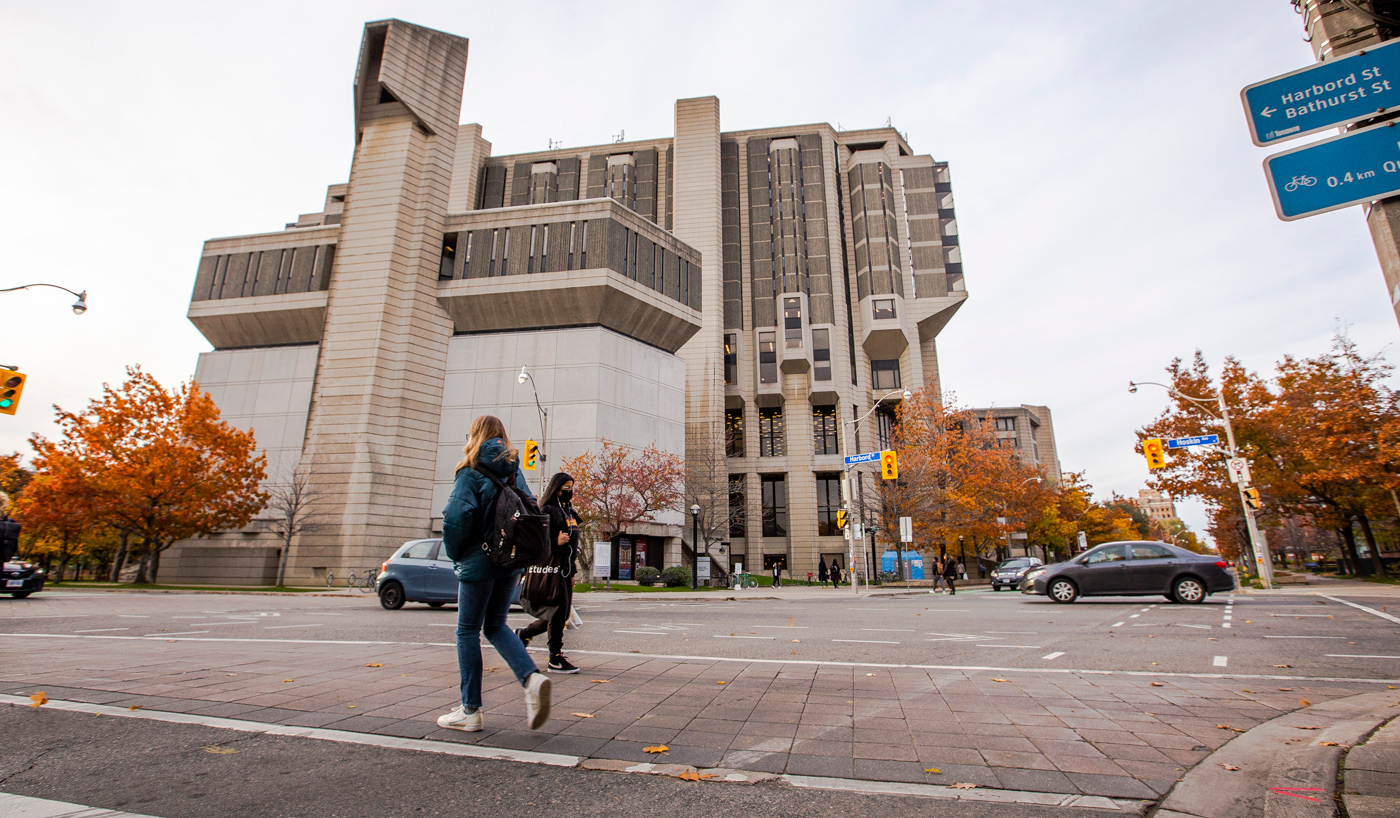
<point x="1251" y="499"/>
<point x="840" y="519"/>
<point x="532" y="455"/>
<point x="889" y="465"/>
<point x="11" y="387"/>
<point x="1155" y="453"/>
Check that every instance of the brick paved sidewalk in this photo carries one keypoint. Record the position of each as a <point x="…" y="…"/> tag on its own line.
<point x="1094" y="733"/>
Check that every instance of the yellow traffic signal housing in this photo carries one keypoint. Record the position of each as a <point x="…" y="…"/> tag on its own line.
<point x="840" y="519"/>
<point x="1251" y="499"/>
<point x="11" y="387"/>
<point x="889" y="465"/>
<point x="1155" y="453"/>
<point x="532" y="455"/>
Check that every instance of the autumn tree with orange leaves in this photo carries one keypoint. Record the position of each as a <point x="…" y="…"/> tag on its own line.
<point x="158" y="465"/>
<point x="619" y="486"/>
<point x="56" y="510"/>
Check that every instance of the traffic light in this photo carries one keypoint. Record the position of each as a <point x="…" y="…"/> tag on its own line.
<point x="840" y="519"/>
<point x="1156" y="455"/>
<point x="532" y="455"/>
<point x="1251" y="499"/>
<point x="889" y="465"/>
<point x="11" y="387"/>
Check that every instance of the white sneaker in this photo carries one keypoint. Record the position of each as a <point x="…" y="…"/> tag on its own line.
<point x="537" y="699"/>
<point x="460" y="719"/>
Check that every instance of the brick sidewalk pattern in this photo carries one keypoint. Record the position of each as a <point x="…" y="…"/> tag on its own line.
<point x="1087" y="733"/>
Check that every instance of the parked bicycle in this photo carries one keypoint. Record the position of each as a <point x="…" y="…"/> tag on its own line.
<point x="365" y="582"/>
<point x="742" y="580"/>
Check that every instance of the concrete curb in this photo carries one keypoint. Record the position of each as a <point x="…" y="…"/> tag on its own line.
<point x="1266" y="771"/>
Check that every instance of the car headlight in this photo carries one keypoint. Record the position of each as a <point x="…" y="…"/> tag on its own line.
<point x="1033" y="574"/>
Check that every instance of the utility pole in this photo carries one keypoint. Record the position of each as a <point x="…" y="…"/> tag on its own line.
<point x="1335" y="30"/>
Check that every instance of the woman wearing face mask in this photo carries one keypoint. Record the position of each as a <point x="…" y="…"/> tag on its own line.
<point x="563" y="532"/>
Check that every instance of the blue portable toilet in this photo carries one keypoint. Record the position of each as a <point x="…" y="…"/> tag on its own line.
<point x="913" y="562"/>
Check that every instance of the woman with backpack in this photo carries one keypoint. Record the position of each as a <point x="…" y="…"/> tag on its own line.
<point x="484" y="588"/>
<point x="556" y="587"/>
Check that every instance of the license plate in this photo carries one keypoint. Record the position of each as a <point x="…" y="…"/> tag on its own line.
<point x="14" y="583"/>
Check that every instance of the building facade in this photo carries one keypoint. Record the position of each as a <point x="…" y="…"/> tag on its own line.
<point x="736" y="296"/>
<point x="1155" y="504"/>
<point x="1030" y="431"/>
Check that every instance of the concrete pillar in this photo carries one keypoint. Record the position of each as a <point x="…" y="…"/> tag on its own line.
<point x="375" y="413"/>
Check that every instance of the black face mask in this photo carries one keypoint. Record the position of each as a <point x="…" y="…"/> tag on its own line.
<point x="566" y="495"/>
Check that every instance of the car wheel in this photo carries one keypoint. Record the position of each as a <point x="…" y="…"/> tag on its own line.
<point x="1189" y="590"/>
<point x="436" y="604"/>
<point x="21" y="594"/>
<point x="1062" y="590"/>
<point x="391" y="596"/>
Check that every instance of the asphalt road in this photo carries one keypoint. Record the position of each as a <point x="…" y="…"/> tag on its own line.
<point x="1249" y="635"/>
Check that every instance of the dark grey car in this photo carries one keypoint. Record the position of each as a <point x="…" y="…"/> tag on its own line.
<point x="1133" y="569"/>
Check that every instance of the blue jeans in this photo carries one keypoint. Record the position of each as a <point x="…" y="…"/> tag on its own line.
<point x="482" y="607"/>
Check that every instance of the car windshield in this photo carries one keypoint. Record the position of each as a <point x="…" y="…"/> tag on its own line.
<point x="1011" y="565"/>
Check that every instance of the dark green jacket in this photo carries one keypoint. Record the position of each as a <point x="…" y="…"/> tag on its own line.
<point x="471" y="502"/>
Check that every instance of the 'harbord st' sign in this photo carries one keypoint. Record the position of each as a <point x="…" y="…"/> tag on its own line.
<point x="1324" y="95"/>
<point x="868" y="457"/>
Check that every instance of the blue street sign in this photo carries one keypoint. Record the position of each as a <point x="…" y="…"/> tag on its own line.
<point x="852" y="459"/>
<point x="1360" y="166"/>
<point x="1198" y="440"/>
<point x="1324" y="95"/>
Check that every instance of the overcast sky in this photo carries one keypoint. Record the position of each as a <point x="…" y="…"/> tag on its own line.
<point x="1113" y="212"/>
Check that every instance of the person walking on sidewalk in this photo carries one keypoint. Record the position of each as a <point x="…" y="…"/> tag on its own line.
<point x="484" y="588"/>
<point x="563" y="534"/>
<point x="950" y="574"/>
<point x="777" y="575"/>
<point x="835" y="573"/>
<point x="821" y="572"/>
<point x="937" y="576"/>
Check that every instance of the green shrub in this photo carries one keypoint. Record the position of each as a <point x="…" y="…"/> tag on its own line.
<point x="675" y="576"/>
<point x="647" y="575"/>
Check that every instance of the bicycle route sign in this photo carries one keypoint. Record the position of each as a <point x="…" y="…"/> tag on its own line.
<point x="1360" y="166"/>
<point x="1198" y="440"/>
<point x="1325" y="95"/>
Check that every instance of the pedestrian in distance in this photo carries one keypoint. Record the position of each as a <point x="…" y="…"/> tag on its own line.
<point x="777" y="575"/>
<point x="950" y="574"/>
<point x="937" y="586"/>
<point x="809" y="579"/>
<point x="484" y="588"/>
<point x="835" y="574"/>
<point x="557" y="575"/>
<point x="821" y="572"/>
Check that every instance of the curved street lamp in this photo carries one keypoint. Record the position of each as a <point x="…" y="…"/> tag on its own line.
<point x="1263" y="563"/>
<point x="544" y="421"/>
<point x="79" y="307"/>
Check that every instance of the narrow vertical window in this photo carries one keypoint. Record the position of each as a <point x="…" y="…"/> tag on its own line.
<point x="731" y="358"/>
<point x="774" y="505"/>
<point x="767" y="357"/>
<point x="824" y="430"/>
<point x="530" y="261"/>
<point x="734" y="432"/>
<point x="449" y="252"/>
<point x="828" y="503"/>
<point x="772" y="439"/>
<point x="736" y="505"/>
<point x="573" y="228"/>
<point x="884" y="427"/>
<point x="505" y="252"/>
<point x="467" y="257"/>
<point x="655" y="259"/>
<point x="821" y="354"/>
<point x="583" y="249"/>
<point x="544" y="251"/>
<point x="792" y="322"/>
<point x="491" y="269"/>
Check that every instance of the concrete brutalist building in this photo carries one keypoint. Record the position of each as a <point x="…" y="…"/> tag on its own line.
<point x="735" y="297"/>
<point x="1028" y="430"/>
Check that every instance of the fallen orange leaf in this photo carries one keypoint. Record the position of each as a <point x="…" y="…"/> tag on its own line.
<point x="583" y="715"/>
<point x="1283" y="666"/>
<point x="1305" y="702"/>
<point x="932" y="770"/>
<point x="692" y="775"/>
<point x="599" y="681"/>
<point x="222" y="751"/>
<point x="659" y="748"/>
<point x="1307" y="728"/>
<point x="134" y="707"/>
<point x="1329" y="744"/>
<point x="1228" y="766"/>
<point x="998" y="680"/>
<point x="962" y="786"/>
<point x="1158" y="684"/>
<point x="374" y="664"/>
<point x="289" y="680"/>
<point x="39" y="699"/>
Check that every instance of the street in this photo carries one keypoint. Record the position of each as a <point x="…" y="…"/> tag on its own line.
<point x="1112" y="698"/>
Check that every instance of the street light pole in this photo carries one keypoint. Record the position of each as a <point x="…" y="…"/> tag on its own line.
<point x="695" y="546"/>
<point x="846" y="491"/>
<point x="544" y="423"/>
<point x="79" y="307"/>
<point x="1264" y="565"/>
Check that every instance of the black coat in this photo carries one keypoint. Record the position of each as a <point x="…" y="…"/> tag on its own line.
<point x="565" y="556"/>
<point x="821" y="571"/>
<point x="950" y="569"/>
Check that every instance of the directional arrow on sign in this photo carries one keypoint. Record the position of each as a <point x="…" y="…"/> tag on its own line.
<point x="1268" y="112"/>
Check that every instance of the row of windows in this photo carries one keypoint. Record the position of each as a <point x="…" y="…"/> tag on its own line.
<point x="768" y="356"/>
<point x="773" y="504"/>
<point x="500" y="246"/>
<point x="772" y="440"/>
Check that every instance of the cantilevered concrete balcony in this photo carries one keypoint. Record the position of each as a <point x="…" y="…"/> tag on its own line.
<point x="564" y="264"/>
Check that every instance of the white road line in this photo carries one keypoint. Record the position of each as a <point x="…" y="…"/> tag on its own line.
<point x="277" y="627"/>
<point x="1022" y="647"/>
<point x="866" y="641"/>
<point x="180" y="633"/>
<point x="320" y="613"/>
<point x="1220" y="661"/>
<point x="133" y="616"/>
<point x="1116" y="625"/>
<point x="443" y="624"/>
<point x="645" y="633"/>
<point x="1148" y="608"/>
<point x="1018" y="633"/>
<point x="101" y="630"/>
<point x="870" y="609"/>
<point x="1134" y="616"/>
<point x="1228" y="617"/>
<point x="1295" y="616"/>
<point x="1057" y="654"/>
<point x="1184" y="625"/>
<point x="1381" y="614"/>
<point x="1305" y="637"/>
<point x="212" y="624"/>
<point x="1358" y="656"/>
<point x="890" y="630"/>
<point x="1226" y="625"/>
<point x="784" y="627"/>
<point x="957" y="635"/>
<point x="732" y="636"/>
<point x="694" y="658"/>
